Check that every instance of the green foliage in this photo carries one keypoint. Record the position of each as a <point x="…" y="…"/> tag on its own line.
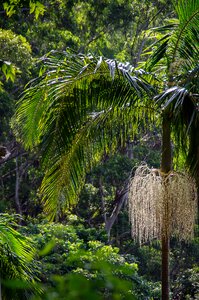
<point x="77" y="286"/>
<point x="8" y="70"/>
<point x="98" y="85"/>
<point x="177" y="51"/>
<point x="15" y="54"/>
<point x="16" y="258"/>
<point x="150" y="261"/>
<point x="109" y="99"/>
<point x="114" y="170"/>
<point x="186" y="285"/>
<point x="117" y="29"/>
<point x="37" y="8"/>
<point x="71" y="252"/>
<point x="113" y="28"/>
<point x="104" y="28"/>
<point x="107" y="178"/>
<point x="6" y="111"/>
<point x="11" y="7"/>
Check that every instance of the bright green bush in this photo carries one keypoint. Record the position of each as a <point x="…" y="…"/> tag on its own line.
<point x="70" y="257"/>
<point x="15" y="53"/>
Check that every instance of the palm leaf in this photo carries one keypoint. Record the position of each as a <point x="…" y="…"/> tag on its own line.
<point x="69" y="112"/>
<point x="16" y="252"/>
<point x="103" y="133"/>
<point x="179" y="44"/>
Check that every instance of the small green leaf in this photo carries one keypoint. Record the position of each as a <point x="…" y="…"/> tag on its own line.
<point x="47" y="248"/>
<point x="32" y="7"/>
<point x="9" y="70"/>
<point x="10" y="9"/>
<point x="37" y="8"/>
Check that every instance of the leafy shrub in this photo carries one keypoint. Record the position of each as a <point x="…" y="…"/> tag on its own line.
<point x="68" y="262"/>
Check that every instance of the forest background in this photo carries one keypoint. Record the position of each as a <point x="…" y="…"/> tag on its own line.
<point x="90" y="244"/>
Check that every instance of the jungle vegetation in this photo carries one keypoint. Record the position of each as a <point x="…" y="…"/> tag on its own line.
<point x="99" y="125"/>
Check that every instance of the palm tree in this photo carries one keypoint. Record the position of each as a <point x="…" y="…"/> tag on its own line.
<point x="81" y="106"/>
<point x="178" y="52"/>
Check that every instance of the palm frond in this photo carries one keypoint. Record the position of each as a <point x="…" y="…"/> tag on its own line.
<point x="16" y="252"/>
<point x="66" y="109"/>
<point x="103" y="133"/>
<point x="182" y="106"/>
<point x="159" y="53"/>
<point x="184" y="42"/>
<point x="180" y="43"/>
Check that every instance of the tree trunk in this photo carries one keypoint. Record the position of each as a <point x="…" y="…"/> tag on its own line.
<point x="110" y="221"/>
<point x="166" y="162"/>
<point x="17" y="185"/>
<point x="0" y="290"/>
<point x="101" y="191"/>
<point x="193" y="156"/>
<point x="165" y="267"/>
<point x="166" y="165"/>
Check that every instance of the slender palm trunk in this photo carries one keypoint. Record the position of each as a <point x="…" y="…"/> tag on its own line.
<point x="0" y="290"/>
<point x="166" y="165"/>
<point x="193" y="156"/>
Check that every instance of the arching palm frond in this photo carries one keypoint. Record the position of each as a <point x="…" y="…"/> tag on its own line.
<point x="80" y="107"/>
<point x="180" y="41"/>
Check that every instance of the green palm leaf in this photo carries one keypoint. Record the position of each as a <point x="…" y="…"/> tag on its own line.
<point x="75" y="112"/>
<point x="180" y="41"/>
<point x="18" y="268"/>
<point x="15" y="245"/>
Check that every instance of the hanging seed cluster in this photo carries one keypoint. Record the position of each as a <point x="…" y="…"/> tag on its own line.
<point x="162" y="204"/>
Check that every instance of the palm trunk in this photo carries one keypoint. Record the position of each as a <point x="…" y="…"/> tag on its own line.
<point x="166" y="164"/>
<point x="193" y="156"/>
<point x="0" y="290"/>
